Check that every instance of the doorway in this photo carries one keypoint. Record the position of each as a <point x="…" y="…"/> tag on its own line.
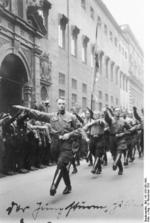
<point x="13" y="77"/>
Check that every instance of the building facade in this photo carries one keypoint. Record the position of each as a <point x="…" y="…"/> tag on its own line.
<point x="136" y="72"/>
<point x="24" y="68"/>
<point x="55" y="47"/>
<point x="73" y="57"/>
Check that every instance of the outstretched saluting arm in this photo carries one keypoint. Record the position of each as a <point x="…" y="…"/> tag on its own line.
<point x="34" y="114"/>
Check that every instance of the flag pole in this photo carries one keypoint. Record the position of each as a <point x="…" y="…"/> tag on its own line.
<point x="96" y="66"/>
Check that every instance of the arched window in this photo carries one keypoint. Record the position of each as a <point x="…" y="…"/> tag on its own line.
<point x="85" y="41"/>
<point x="63" y="20"/>
<point x="107" y="67"/>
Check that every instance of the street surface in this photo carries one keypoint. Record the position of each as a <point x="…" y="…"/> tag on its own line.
<point x="94" y="198"/>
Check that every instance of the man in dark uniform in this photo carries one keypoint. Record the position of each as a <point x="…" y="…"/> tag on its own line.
<point x="62" y="123"/>
<point x="97" y="141"/>
<point x="8" y="138"/>
<point x="88" y="119"/>
<point x="118" y="143"/>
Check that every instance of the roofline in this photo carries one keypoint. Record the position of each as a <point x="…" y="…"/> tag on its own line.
<point x="128" y="29"/>
<point x="110" y="16"/>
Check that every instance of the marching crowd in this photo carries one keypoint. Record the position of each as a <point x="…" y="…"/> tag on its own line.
<point x="33" y="139"/>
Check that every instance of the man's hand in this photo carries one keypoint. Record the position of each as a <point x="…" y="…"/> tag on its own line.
<point x="120" y="134"/>
<point x="65" y="136"/>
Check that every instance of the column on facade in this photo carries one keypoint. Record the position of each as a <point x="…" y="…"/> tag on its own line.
<point x="36" y="76"/>
<point x="27" y="94"/>
<point x="45" y="79"/>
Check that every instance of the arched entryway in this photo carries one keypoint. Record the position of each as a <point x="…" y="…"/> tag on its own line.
<point x="13" y="76"/>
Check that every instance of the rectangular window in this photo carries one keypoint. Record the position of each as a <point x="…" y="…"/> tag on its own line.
<point x="61" y="93"/>
<point x="20" y="8"/>
<point x="74" y="99"/>
<point x="84" y="103"/>
<point x="84" y="88"/>
<point x="92" y="12"/>
<point x="100" y="94"/>
<point x="74" y="84"/>
<point x="116" y="42"/>
<point x="99" y="20"/>
<point x="122" y="51"/>
<point x="112" y="100"/>
<point x="106" y="97"/>
<point x="112" y="72"/>
<point x="105" y="29"/>
<point x="93" y="105"/>
<point x="83" y="4"/>
<point x="100" y="106"/>
<point x="110" y="36"/>
<point x="106" y="62"/>
<point x="117" y="102"/>
<point x="61" y="78"/>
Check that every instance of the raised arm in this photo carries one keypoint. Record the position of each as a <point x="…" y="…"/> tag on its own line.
<point x="34" y="114"/>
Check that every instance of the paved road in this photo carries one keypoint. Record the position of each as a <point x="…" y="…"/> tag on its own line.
<point x="100" y="198"/>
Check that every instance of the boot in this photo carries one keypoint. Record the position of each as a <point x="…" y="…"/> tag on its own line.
<point x="105" y="159"/>
<point x="56" y="181"/>
<point x="74" y="170"/>
<point x="120" y="172"/>
<point x="74" y="167"/>
<point x="118" y="157"/>
<point x="67" y="190"/>
<point x="97" y="160"/>
<point x="114" y="167"/>
<point x="120" y="166"/>
<point x="98" y="171"/>
<point x="66" y="178"/>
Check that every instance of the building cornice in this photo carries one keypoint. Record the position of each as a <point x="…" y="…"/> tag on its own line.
<point x="18" y="21"/>
<point x="126" y="29"/>
<point x="111" y="18"/>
